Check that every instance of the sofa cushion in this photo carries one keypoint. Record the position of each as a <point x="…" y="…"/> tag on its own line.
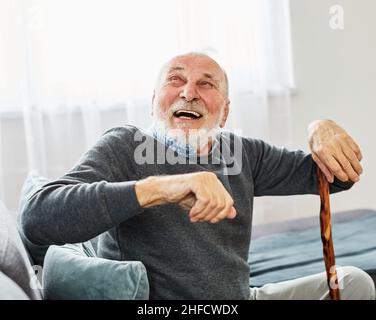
<point x="32" y="183"/>
<point x="72" y="271"/>
<point x="9" y="290"/>
<point x="14" y="261"/>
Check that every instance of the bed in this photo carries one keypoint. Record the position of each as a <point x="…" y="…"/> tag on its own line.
<point x="293" y="249"/>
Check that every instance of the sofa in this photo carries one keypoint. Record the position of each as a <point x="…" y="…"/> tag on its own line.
<point x="278" y="252"/>
<point x="71" y="271"/>
<point x="18" y="279"/>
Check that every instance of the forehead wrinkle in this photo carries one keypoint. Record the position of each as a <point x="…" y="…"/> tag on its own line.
<point x="176" y="68"/>
<point x="205" y="74"/>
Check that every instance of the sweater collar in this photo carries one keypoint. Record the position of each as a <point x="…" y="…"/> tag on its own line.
<point x="182" y="149"/>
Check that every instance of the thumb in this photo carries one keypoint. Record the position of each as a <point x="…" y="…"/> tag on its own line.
<point x="232" y="213"/>
<point x="328" y="174"/>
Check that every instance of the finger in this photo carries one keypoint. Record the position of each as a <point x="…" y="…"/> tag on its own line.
<point x="197" y="209"/>
<point x="328" y="174"/>
<point x="230" y="214"/>
<point x="202" y="208"/>
<point x="352" y="158"/>
<point x="222" y="214"/>
<point x="221" y="202"/>
<point x="216" y="204"/>
<point x="233" y="213"/>
<point x="334" y="167"/>
<point x="226" y="212"/>
<point x="346" y="165"/>
<point x="224" y="208"/>
<point x="210" y="210"/>
<point x="221" y="206"/>
<point x="200" y="205"/>
<point x="205" y="199"/>
<point x="355" y="147"/>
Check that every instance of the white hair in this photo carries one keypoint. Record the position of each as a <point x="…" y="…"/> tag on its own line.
<point x="195" y="54"/>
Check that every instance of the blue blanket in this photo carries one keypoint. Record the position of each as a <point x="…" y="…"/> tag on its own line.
<point x="298" y="253"/>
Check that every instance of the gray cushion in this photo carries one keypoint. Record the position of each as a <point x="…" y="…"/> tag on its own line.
<point x="74" y="272"/>
<point x="14" y="261"/>
<point x="32" y="183"/>
<point x="9" y="290"/>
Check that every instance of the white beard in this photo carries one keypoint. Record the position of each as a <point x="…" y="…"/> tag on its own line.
<point x="198" y="139"/>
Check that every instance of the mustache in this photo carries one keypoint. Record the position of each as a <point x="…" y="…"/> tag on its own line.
<point x="191" y="106"/>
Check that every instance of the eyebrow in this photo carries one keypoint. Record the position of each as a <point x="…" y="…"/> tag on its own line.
<point x="208" y="75"/>
<point x="205" y="74"/>
<point x="175" y="69"/>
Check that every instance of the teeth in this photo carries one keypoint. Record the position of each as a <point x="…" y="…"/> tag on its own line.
<point x="195" y="113"/>
<point x="189" y="111"/>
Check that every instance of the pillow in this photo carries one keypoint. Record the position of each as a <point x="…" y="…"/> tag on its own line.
<point x="72" y="271"/>
<point x="14" y="261"/>
<point x="32" y="183"/>
<point x="10" y="290"/>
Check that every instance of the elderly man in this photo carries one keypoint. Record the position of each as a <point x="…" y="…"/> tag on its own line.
<point x="189" y="222"/>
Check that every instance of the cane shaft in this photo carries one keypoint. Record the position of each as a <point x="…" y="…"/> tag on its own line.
<point x="326" y="237"/>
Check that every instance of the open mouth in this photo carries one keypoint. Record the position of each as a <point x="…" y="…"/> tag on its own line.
<point x="187" y="114"/>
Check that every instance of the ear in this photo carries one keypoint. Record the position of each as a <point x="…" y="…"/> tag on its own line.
<point x="225" y="114"/>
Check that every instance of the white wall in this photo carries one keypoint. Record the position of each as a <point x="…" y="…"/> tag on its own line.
<point x="335" y="74"/>
<point x="335" y="77"/>
<point x="69" y="129"/>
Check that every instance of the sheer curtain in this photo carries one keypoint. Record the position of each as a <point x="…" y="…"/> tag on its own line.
<point x="71" y="69"/>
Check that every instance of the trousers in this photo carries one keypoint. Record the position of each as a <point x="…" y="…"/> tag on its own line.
<point x="353" y="283"/>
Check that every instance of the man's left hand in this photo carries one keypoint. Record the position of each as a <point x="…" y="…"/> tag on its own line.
<point x="334" y="151"/>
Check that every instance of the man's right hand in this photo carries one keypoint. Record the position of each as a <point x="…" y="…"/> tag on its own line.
<point x="202" y="193"/>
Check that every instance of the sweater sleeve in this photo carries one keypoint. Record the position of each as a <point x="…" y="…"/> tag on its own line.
<point x="91" y="199"/>
<point x="278" y="171"/>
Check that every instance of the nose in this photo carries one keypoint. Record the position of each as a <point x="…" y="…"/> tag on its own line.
<point x="189" y="92"/>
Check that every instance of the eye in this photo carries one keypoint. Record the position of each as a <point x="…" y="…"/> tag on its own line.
<point x="176" y="80"/>
<point x="206" y="84"/>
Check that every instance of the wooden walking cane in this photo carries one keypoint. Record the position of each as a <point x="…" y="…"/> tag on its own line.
<point x="326" y="237"/>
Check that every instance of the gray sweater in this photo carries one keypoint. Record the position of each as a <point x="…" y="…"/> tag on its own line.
<point x="184" y="260"/>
